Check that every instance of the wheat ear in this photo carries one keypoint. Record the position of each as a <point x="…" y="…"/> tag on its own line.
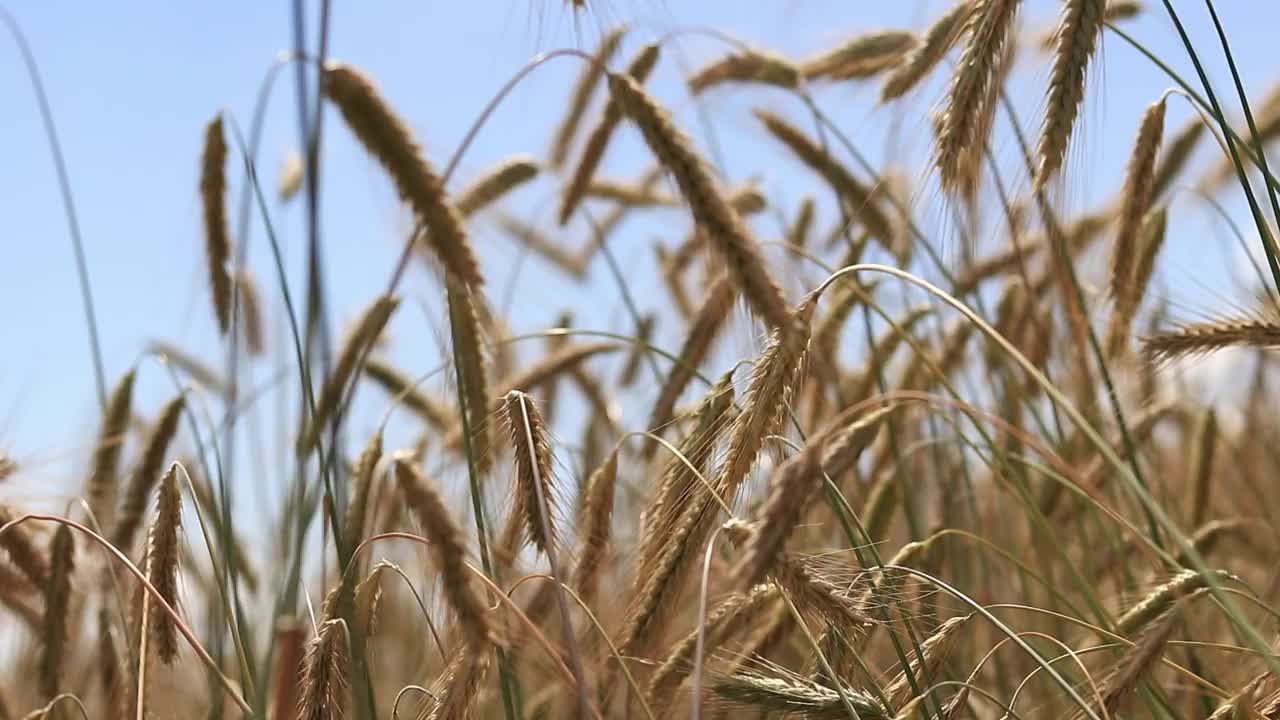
<point x="594" y="528"/>
<point x="57" y="604"/>
<point x="448" y="548"/>
<point x="598" y="141"/>
<point x="495" y="183"/>
<point x="934" y="45"/>
<point x="162" y="564"/>
<point x="147" y="473"/>
<point x="1135" y="199"/>
<point x="371" y="323"/>
<point x="325" y="693"/>
<point x="104" y="480"/>
<point x="989" y="28"/>
<point x="858" y="196"/>
<point x="708" y="204"/>
<point x="1199" y="338"/>
<point x="746" y="66"/>
<point x="217" y="236"/>
<point x="386" y="138"/>
<point x="1077" y="39"/>
<point x="581" y="96"/>
<point x="861" y="56"/>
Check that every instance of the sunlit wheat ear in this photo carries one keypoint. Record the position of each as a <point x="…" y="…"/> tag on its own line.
<point x="147" y="473"/>
<point x="969" y="164"/>
<point x="680" y="477"/>
<point x="1117" y="11"/>
<point x="1205" y="443"/>
<point x="386" y="138"/>
<point x="449" y="550"/>
<point x="707" y="202"/>
<point x="628" y="194"/>
<point x="989" y="29"/>
<point x="402" y="390"/>
<point x="729" y="618"/>
<point x="858" y="196"/>
<point x="815" y="596"/>
<point x="495" y="183"/>
<point x="217" y="236"/>
<point x="598" y="140"/>
<point x="325" y="693"/>
<point x="465" y="311"/>
<point x="1123" y="679"/>
<point x="1150" y="241"/>
<point x="368" y="599"/>
<point x="250" y="312"/>
<point x="933" y="651"/>
<point x="162" y="564"/>
<point x="936" y="43"/>
<point x="702" y="333"/>
<point x="104" y="480"/>
<point x="371" y="323"/>
<point x="1135" y="198"/>
<point x="57" y="603"/>
<point x="1201" y="338"/>
<point x="581" y="97"/>
<point x="362" y="481"/>
<point x="1162" y="597"/>
<point x="1077" y="38"/>
<point x="794" y="484"/>
<point x="20" y="546"/>
<point x="594" y="528"/>
<point x="861" y="57"/>
<point x="746" y="66"/>
<point x="793" y="696"/>
<point x="534" y="482"/>
<point x="773" y="380"/>
<point x="460" y="685"/>
<point x="662" y="577"/>
<point x="1177" y="152"/>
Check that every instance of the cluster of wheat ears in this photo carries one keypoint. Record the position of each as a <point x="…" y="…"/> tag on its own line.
<point x="842" y="526"/>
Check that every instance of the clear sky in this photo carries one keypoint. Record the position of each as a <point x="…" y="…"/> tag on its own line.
<point x="132" y="85"/>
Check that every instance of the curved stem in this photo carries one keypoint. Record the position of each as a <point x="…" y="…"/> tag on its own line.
<point x="68" y="202"/>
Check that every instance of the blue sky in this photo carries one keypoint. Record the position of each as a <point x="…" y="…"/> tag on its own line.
<point x="133" y="84"/>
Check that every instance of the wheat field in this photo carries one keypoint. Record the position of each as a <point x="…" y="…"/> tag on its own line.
<point x="955" y="471"/>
